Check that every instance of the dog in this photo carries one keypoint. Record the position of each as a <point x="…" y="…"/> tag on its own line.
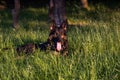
<point x="57" y="41"/>
<point x="58" y="37"/>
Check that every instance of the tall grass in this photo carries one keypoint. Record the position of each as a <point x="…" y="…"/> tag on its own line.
<point x="94" y="47"/>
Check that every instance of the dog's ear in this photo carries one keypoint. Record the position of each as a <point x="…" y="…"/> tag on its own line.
<point x="52" y="26"/>
<point x="64" y="25"/>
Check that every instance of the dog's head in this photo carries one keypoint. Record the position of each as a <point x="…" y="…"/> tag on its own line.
<point x="58" y="36"/>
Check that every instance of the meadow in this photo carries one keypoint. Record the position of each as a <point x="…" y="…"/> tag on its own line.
<point x="94" y="46"/>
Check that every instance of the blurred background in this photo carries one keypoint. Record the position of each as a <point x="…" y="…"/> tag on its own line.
<point x="44" y="3"/>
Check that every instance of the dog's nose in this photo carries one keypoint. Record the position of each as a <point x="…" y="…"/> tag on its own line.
<point x="59" y="46"/>
<point x="58" y="25"/>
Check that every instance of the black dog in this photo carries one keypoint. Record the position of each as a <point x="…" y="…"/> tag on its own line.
<point x="58" y="37"/>
<point x="57" y="41"/>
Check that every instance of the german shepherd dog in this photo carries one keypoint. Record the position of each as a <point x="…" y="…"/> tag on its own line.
<point x="57" y="41"/>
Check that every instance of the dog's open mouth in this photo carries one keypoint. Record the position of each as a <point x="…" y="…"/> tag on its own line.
<point x="59" y="46"/>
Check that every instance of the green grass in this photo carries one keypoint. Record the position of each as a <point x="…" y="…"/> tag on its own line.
<point x="94" y="47"/>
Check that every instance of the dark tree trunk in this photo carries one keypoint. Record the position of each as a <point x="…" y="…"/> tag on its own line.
<point x="57" y="11"/>
<point x="15" y="13"/>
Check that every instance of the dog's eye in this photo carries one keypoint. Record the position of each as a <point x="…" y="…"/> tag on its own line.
<point x="62" y="36"/>
<point x="65" y="28"/>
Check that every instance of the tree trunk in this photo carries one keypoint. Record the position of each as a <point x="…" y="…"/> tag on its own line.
<point x="51" y="6"/>
<point x="15" y="13"/>
<point x="57" y="11"/>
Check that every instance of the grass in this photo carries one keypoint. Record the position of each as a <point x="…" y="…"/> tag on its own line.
<point x="94" y="47"/>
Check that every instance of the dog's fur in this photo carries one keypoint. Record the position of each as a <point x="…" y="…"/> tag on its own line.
<point x="27" y="48"/>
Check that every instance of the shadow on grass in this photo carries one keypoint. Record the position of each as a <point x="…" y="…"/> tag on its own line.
<point x="97" y="12"/>
<point x="28" y="18"/>
<point x="33" y="18"/>
<point x="5" y="19"/>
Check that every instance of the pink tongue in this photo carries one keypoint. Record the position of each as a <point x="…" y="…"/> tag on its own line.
<point x="59" y="46"/>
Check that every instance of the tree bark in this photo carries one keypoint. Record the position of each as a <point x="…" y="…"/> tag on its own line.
<point x="15" y="13"/>
<point x="57" y="11"/>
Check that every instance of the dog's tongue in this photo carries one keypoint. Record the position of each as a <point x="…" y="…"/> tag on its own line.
<point x="59" y="46"/>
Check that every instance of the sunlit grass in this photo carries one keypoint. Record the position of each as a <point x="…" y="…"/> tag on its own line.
<point x="94" y="47"/>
